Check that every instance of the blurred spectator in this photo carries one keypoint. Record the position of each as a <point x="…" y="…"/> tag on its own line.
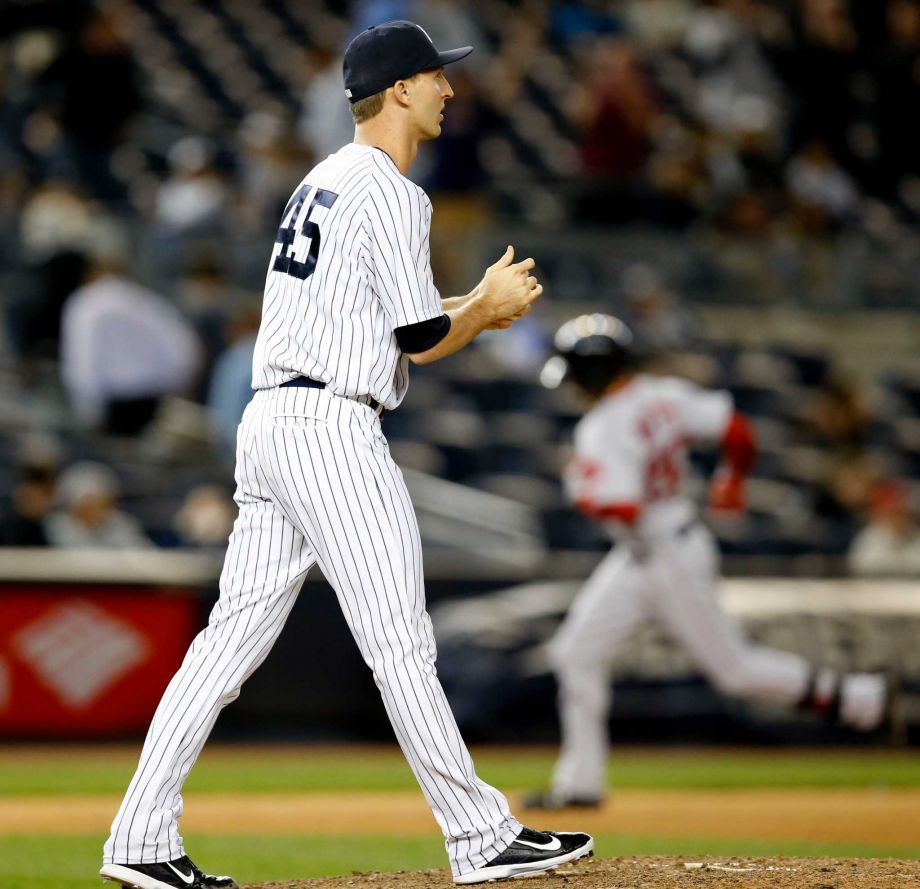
<point x="203" y="295"/>
<point x="206" y="517"/>
<point x="14" y="189"/>
<point x="325" y="122"/>
<point x="88" y="515"/>
<point x="821" y="70"/>
<point x="615" y="113"/>
<point x="123" y="348"/>
<point x="447" y="22"/>
<point x="195" y="196"/>
<point x="897" y="59"/>
<point x="776" y="137"/>
<point x="230" y="388"/>
<point x="660" y="322"/>
<point x="754" y="141"/>
<point x="521" y="351"/>
<point x="452" y="162"/>
<point x="825" y="194"/>
<point x="450" y="23"/>
<point x="573" y="21"/>
<point x="93" y="90"/>
<point x="450" y="170"/>
<point x="734" y="87"/>
<point x="211" y="300"/>
<point x="521" y="44"/>
<point x="748" y="215"/>
<point x="843" y="496"/>
<point x="273" y="161"/>
<point x="56" y="232"/>
<point x="890" y="544"/>
<point x="678" y="188"/>
<point x="58" y="217"/>
<point x="32" y="496"/>
<point x="658" y="24"/>
<point x="838" y="418"/>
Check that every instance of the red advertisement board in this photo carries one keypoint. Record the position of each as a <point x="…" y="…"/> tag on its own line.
<point x="88" y="661"/>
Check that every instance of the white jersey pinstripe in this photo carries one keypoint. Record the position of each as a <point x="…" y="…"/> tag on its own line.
<point x="316" y="484"/>
<point x="371" y="274"/>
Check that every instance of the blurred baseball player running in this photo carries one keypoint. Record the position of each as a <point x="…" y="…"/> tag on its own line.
<point x="628" y="470"/>
<point x="349" y="299"/>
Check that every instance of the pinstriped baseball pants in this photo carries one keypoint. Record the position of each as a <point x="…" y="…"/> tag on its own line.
<point x="315" y="484"/>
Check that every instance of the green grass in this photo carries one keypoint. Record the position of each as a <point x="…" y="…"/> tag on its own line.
<point x="71" y="862"/>
<point x="63" y="862"/>
<point x="299" y="770"/>
<point x="684" y="769"/>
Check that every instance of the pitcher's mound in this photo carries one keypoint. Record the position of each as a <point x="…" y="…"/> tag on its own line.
<point x="656" y="872"/>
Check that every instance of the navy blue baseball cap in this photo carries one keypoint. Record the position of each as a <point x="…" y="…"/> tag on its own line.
<point x="382" y="54"/>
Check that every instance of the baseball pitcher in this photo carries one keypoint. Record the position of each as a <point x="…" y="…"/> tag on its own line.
<point x="349" y="303"/>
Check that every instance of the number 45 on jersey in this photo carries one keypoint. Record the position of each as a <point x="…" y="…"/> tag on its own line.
<point x="299" y="234"/>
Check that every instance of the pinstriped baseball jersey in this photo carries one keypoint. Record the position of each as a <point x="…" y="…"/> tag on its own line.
<point x="350" y="264"/>
<point x="316" y="485"/>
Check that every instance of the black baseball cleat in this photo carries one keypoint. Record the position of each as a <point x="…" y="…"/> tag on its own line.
<point x="180" y="873"/>
<point x="553" y="802"/>
<point x="533" y="852"/>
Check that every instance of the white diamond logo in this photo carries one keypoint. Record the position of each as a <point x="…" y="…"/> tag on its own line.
<point x="78" y="651"/>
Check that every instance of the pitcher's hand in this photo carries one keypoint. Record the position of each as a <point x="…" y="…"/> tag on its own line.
<point x="507" y="289"/>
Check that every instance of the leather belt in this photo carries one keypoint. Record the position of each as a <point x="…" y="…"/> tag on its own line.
<point x="308" y="383"/>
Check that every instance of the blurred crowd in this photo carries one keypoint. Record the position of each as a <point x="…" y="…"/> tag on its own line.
<point x="146" y="150"/>
<point x="775" y="119"/>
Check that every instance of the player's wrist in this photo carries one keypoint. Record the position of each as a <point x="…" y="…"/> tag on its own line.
<point x="475" y="293"/>
<point x="482" y="306"/>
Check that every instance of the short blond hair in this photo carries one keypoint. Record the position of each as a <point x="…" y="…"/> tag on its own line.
<point x="368" y="107"/>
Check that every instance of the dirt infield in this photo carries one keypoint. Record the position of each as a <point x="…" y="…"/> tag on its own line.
<point x="886" y="816"/>
<point x="667" y="873"/>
